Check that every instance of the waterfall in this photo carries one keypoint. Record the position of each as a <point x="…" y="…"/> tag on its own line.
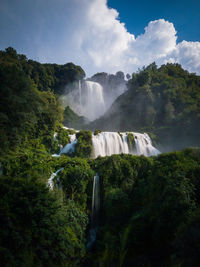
<point x="87" y="100"/>
<point x="50" y="183"/>
<point x="95" y="201"/>
<point x="69" y="148"/>
<point x="144" y="145"/>
<point x="95" y="211"/>
<point x="92" y="100"/>
<point x="109" y="143"/>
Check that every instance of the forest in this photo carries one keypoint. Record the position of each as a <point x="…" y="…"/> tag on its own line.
<point x="149" y="206"/>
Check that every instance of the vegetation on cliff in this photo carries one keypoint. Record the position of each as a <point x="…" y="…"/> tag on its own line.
<point x="150" y="207"/>
<point x="164" y="101"/>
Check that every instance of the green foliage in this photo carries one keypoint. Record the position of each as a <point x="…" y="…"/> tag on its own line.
<point x="37" y="229"/>
<point x="28" y="163"/>
<point x="75" y="178"/>
<point x="150" y="207"/>
<point x="29" y="110"/>
<point x="155" y="220"/>
<point x="131" y="142"/>
<point x="109" y="81"/>
<point x="96" y="132"/>
<point x="164" y="101"/>
<point x="116" y="206"/>
<point x="46" y="77"/>
<point x="43" y="227"/>
<point x="84" y="145"/>
<point x="62" y="136"/>
<point x="71" y="119"/>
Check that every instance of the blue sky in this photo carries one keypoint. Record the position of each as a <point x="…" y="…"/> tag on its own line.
<point x="103" y="36"/>
<point x="184" y="14"/>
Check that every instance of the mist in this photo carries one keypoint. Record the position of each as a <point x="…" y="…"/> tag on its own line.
<point x="92" y="97"/>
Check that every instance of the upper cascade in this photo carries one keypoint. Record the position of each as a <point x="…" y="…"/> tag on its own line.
<point x="91" y="99"/>
<point x="109" y="143"/>
<point x="87" y="100"/>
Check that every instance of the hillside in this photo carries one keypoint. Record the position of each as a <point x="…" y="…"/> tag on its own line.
<point x="29" y="106"/>
<point x="77" y="210"/>
<point x="164" y="101"/>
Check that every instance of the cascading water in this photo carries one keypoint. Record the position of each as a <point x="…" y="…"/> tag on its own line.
<point x="108" y="143"/>
<point x="144" y="145"/>
<point x="50" y="180"/>
<point x="69" y="148"/>
<point x="95" y="201"/>
<point x="95" y="211"/>
<point x="87" y="100"/>
<point x="92" y="100"/>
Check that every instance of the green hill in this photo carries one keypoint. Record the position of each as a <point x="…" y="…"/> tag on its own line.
<point x="149" y="206"/>
<point x="164" y="101"/>
<point x="29" y="106"/>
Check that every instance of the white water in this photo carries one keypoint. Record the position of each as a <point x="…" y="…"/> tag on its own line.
<point x="91" y="99"/>
<point x="88" y="100"/>
<point x="69" y="148"/>
<point x="109" y="143"/>
<point x="95" y="211"/>
<point x="50" y="180"/>
<point x="95" y="201"/>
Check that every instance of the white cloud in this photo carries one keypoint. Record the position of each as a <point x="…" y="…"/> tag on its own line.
<point x="90" y="34"/>
<point x="102" y="42"/>
<point x="188" y="55"/>
<point x="155" y="44"/>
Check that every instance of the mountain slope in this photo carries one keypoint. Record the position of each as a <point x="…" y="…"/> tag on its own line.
<point x="29" y="108"/>
<point x="164" y="101"/>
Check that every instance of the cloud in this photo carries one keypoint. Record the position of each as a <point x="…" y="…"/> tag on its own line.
<point x="158" y="40"/>
<point x="89" y="33"/>
<point x="188" y="55"/>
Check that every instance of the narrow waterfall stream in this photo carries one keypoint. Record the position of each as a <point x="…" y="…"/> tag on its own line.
<point x="50" y="180"/>
<point x="95" y="211"/>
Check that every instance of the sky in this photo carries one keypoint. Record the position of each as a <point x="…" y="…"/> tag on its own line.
<point x="102" y="35"/>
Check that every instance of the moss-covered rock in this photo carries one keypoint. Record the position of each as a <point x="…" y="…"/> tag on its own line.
<point x="71" y="119"/>
<point x="62" y="136"/>
<point x="120" y="135"/>
<point x="96" y="132"/>
<point x="84" y="145"/>
<point x="131" y="142"/>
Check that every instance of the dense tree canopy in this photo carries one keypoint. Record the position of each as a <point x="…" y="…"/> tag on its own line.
<point x="149" y="207"/>
<point x="29" y="108"/>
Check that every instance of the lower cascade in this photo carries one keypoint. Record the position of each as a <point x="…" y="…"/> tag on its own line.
<point x="50" y="182"/>
<point x="95" y="211"/>
<point x="109" y="143"/>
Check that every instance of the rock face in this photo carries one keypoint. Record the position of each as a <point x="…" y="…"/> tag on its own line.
<point x="94" y="96"/>
<point x="114" y="85"/>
